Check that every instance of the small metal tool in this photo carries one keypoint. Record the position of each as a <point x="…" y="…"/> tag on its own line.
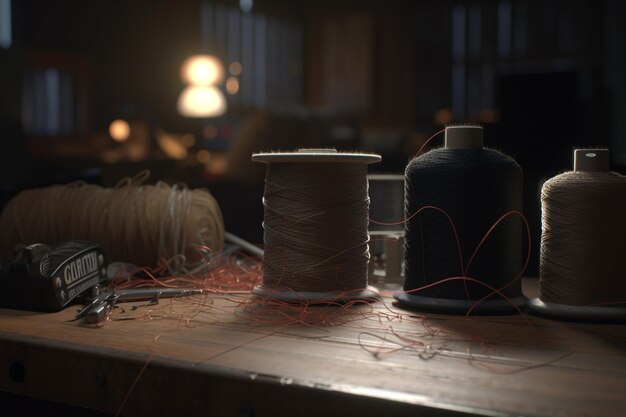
<point x="44" y="278"/>
<point x="99" y="306"/>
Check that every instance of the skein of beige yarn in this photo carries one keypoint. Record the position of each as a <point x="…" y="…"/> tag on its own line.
<point x="141" y="224"/>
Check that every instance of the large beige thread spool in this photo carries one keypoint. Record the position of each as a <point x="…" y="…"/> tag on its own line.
<point x="140" y="224"/>
<point x="315" y="226"/>
<point x="582" y="266"/>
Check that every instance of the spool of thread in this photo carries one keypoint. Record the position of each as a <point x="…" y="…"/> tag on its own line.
<point x="140" y="224"/>
<point x="582" y="268"/>
<point x="315" y="226"/>
<point x="473" y="187"/>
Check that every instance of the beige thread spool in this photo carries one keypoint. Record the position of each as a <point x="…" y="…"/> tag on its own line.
<point x="582" y="244"/>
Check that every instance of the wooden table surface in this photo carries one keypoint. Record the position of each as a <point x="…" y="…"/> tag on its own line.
<point x="233" y="356"/>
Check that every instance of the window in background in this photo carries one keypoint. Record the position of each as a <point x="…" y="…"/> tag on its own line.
<point x="260" y="59"/>
<point x="474" y="61"/>
<point x="48" y="103"/>
<point x="55" y="90"/>
<point x="5" y="24"/>
<point x="493" y="39"/>
<point x="262" y="54"/>
<point x="504" y="29"/>
<point x="458" y="61"/>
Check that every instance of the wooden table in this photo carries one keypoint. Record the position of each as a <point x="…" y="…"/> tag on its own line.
<point x="221" y="358"/>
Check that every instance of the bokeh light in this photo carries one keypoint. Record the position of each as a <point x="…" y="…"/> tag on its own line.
<point x="232" y="85"/>
<point x="119" y="130"/>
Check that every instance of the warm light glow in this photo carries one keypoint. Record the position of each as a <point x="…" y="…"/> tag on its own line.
<point x="443" y="116"/>
<point x="203" y="156"/>
<point x="170" y="145"/>
<point x="188" y="140"/>
<point x="119" y="130"/>
<point x="217" y="165"/>
<point x="202" y="70"/>
<point x="235" y="68"/>
<point x="210" y="131"/>
<point x="232" y="85"/>
<point x="489" y="116"/>
<point x="201" y="102"/>
<point x="136" y="152"/>
<point x="111" y="156"/>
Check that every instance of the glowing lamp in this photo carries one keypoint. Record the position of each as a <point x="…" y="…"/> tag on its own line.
<point x="202" y="70"/>
<point x="201" y="101"/>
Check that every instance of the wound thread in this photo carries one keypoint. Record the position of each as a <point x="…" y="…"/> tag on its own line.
<point x="453" y="196"/>
<point x="315" y="226"/>
<point x="141" y="224"/>
<point x="582" y="242"/>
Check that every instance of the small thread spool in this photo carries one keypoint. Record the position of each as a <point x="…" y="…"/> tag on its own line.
<point x="473" y="187"/>
<point x="315" y="226"/>
<point x="582" y="268"/>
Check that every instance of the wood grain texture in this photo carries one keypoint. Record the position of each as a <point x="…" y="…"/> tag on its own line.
<point x="218" y="362"/>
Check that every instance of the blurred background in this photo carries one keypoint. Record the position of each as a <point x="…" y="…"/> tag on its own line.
<point x="101" y="89"/>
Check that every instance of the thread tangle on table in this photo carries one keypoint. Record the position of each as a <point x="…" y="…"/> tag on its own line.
<point x="315" y="227"/>
<point x="582" y="259"/>
<point x="141" y="224"/>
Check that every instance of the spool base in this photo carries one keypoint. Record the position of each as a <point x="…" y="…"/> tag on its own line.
<point x="577" y="313"/>
<point x="332" y="297"/>
<point x="460" y="307"/>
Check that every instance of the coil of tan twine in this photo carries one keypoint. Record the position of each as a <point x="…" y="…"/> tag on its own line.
<point x="582" y="266"/>
<point x="132" y="222"/>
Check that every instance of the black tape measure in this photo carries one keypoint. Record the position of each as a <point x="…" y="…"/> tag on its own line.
<point x="47" y="279"/>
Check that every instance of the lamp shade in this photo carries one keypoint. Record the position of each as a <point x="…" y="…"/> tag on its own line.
<point x="201" y="101"/>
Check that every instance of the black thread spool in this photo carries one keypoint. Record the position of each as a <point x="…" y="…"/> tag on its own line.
<point x="315" y="226"/>
<point x="582" y="266"/>
<point x="475" y="186"/>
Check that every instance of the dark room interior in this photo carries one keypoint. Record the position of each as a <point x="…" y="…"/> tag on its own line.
<point x="97" y="92"/>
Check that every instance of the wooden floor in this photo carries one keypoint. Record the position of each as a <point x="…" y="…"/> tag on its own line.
<point x="230" y="356"/>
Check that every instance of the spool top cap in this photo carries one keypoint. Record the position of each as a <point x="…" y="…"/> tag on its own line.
<point x="316" y="155"/>
<point x="464" y="137"/>
<point x="591" y="160"/>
